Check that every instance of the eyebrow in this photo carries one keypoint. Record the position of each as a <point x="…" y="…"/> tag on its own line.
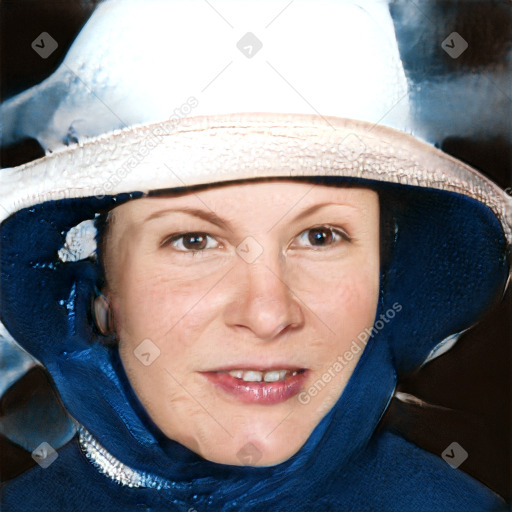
<point x="196" y="212"/>
<point x="212" y="217"/>
<point x="315" y="207"/>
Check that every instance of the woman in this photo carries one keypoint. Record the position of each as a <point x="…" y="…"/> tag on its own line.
<point x="227" y="302"/>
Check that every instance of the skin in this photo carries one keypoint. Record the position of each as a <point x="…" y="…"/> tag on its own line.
<point x="300" y="301"/>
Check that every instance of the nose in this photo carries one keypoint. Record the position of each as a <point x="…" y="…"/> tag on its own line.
<point x="264" y="304"/>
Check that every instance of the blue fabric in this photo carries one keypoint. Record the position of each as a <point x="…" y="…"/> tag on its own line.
<point x="445" y="264"/>
<point x="391" y="474"/>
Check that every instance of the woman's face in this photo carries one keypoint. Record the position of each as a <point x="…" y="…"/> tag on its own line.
<point x="232" y="306"/>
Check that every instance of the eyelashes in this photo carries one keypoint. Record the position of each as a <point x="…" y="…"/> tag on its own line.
<point x="198" y="242"/>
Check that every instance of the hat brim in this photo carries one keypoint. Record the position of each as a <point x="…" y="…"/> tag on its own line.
<point x="206" y="150"/>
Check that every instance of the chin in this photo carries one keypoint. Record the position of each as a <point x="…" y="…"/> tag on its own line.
<point x="270" y="445"/>
<point x="258" y="453"/>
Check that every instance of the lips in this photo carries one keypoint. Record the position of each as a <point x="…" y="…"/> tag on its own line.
<point x="262" y="386"/>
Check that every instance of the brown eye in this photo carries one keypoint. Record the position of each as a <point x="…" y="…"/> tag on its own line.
<point x="195" y="241"/>
<point x="188" y="242"/>
<point x="323" y="236"/>
<point x="320" y="236"/>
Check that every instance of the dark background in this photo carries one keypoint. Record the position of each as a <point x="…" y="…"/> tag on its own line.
<point x="469" y="389"/>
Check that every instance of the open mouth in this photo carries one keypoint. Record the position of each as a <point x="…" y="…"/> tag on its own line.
<point x="269" y="386"/>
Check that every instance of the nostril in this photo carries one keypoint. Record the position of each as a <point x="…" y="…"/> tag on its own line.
<point x="280" y="329"/>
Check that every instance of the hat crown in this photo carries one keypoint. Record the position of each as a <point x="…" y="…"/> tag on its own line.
<point x="138" y="62"/>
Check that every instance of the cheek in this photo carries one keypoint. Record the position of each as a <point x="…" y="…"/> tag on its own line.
<point x="348" y="301"/>
<point x="154" y="303"/>
<point x="357" y="301"/>
<point x="140" y="299"/>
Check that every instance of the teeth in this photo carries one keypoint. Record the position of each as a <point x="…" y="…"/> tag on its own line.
<point x="252" y="376"/>
<point x="257" y="376"/>
<point x="272" y="376"/>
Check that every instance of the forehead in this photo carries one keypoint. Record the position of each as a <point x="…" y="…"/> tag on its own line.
<point x="253" y="195"/>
